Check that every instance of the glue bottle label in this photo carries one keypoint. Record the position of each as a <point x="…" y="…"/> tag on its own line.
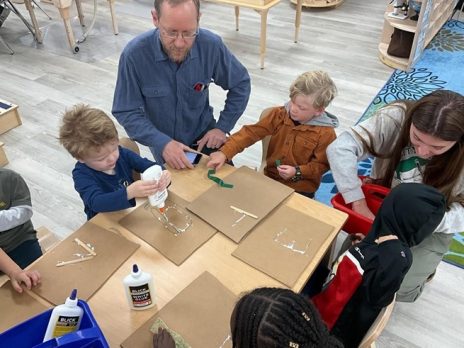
<point x="65" y="325"/>
<point x="140" y="295"/>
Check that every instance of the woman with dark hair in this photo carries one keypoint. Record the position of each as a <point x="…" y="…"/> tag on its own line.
<point x="412" y="141"/>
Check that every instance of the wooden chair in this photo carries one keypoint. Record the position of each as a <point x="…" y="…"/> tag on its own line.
<point x="265" y="141"/>
<point x="131" y="145"/>
<point x="47" y="239"/>
<point x="377" y="326"/>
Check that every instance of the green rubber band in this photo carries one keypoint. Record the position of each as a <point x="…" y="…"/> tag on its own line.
<point x="277" y="163"/>
<point x="217" y="180"/>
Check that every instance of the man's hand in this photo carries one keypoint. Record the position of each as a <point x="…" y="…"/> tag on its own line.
<point x="29" y="278"/>
<point x="163" y="339"/>
<point x="217" y="160"/>
<point x="212" y="139"/>
<point x="174" y="155"/>
<point x="286" y="172"/>
<point x="360" y="207"/>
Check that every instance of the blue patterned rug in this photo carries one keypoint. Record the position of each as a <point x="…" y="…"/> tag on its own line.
<point x="440" y="67"/>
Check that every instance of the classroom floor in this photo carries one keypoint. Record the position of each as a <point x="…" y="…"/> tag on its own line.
<point x="45" y="79"/>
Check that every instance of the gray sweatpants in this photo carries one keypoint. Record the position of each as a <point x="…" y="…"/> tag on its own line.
<point x="426" y="257"/>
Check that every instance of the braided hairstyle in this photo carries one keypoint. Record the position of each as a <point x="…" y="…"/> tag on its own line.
<point x="278" y="318"/>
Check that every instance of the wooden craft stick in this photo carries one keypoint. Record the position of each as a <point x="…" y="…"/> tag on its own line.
<point x="195" y="151"/>
<point x="85" y="246"/>
<point x="243" y="212"/>
<point x="81" y="259"/>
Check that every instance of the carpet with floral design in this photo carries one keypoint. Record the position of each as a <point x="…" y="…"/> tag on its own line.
<point x="440" y="67"/>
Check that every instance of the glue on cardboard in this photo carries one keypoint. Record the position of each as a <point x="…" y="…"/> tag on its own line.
<point x="65" y="318"/>
<point x="139" y="289"/>
<point x="154" y="173"/>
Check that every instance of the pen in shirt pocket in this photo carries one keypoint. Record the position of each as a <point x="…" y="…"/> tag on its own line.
<point x="199" y="87"/>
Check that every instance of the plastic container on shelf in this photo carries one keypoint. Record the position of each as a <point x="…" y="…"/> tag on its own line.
<point x="358" y="223"/>
<point x="30" y="333"/>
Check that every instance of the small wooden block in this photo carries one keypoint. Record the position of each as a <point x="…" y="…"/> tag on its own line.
<point x="3" y="158"/>
<point x="9" y="116"/>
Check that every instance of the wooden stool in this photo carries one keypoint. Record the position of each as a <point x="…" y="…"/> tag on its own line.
<point x="64" y="5"/>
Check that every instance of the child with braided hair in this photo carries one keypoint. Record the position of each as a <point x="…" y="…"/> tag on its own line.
<point x="272" y="318"/>
<point x="275" y="317"/>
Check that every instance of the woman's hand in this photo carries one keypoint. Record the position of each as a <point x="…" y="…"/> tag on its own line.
<point x="360" y="207"/>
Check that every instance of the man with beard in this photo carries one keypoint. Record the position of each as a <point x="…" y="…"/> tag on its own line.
<point x="162" y="94"/>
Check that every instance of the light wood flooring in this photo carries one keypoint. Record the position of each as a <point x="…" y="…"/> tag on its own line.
<point x="45" y="79"/>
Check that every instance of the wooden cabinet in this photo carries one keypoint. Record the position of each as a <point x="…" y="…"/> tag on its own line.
<point x="433" y="14"/>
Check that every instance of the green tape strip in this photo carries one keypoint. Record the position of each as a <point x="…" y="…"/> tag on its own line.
<point x="277" y="163"/>
<point x="217" y="180"/>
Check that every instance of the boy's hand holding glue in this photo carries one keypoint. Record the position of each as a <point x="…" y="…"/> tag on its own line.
<point x="146" y="188"/>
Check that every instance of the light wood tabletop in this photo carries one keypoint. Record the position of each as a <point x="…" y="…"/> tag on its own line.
<point x="109" y="304"/>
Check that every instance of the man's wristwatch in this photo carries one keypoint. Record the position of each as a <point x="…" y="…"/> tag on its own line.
<point x="297" y="176"/>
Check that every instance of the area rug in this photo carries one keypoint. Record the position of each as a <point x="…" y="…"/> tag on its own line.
<point x="440" y="67"/>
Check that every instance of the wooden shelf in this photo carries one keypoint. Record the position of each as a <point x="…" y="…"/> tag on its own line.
<point x="403" y="24"/>
<point x="433" y="14"/>
<point x="391" y="61"/>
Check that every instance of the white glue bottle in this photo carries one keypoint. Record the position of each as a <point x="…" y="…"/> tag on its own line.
<point x="139" y="287"/>
<point x="65" y="318"/>
<point x="156" y="200"/>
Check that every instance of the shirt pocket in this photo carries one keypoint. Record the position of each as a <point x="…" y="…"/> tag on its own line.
<point x="155" y="91"/>
<point x="305" y="144"/>
<point x="197" y="94"/>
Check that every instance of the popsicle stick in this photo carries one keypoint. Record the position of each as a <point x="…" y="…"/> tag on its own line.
<point x="243" y="212"/>
<point x="82" y="259"/>
<point x="85" y="246"/>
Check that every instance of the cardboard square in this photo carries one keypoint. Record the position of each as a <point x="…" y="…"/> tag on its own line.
<point x="252" y="192"/>
<point x="200" y="314"/>
<point x="144" y="224"/>
<point x="264" y="248"/>
<point x="88" y="276"/>
<point x="16" y="307"/>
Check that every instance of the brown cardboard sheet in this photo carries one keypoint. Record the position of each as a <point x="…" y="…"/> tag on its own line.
<point x="200" y="314"/>
<point x="252" y="192"/>
<point x="284" y="244"/>
<point x="16" y="307"/>
<point x="144" y="223"/>
<point x="87" y="276"/>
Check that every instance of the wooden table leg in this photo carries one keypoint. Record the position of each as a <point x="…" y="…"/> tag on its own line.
<point x="35" y="25"/>
<point x="113" y="17"/>
<point x="299" y="6"/>
<point x="262" y="50"/>
<point x="237" y="13"/>
<point x="64" y="13"/>
<point x="80" y="13"/>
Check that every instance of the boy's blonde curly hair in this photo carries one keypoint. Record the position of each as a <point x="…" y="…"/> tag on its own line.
<point x="84" y="128"/>
<point x="317" y="84"/>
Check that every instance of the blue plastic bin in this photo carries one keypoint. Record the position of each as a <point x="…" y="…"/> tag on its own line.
<point x="29" y="334"/>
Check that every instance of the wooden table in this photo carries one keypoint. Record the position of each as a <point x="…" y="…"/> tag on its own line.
<point x="109" y="304"/>
<point x="262" y="7"/>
